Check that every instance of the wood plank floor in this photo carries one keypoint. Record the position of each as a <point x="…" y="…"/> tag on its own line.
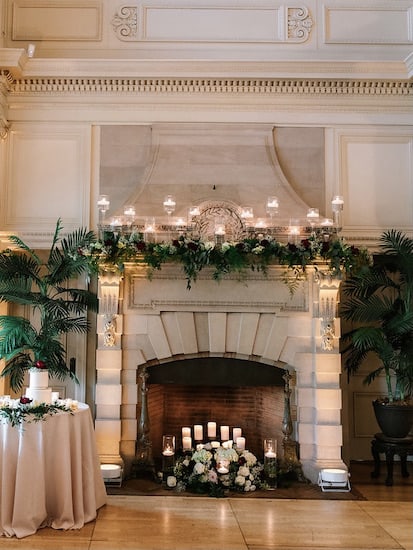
<point x="379" y="518"/>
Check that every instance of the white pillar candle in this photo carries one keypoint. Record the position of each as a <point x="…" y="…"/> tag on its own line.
<point x="270" y="454"/>
<point x="215" y="444"/>
<point x="224" y="433"/>
<point x="236" y="432"/>
<point x="186" y="432"/>
<point x="198" y="432"/>
<point x="187" y="443"/>
<point x="212" y="429"/>
<point x="240" y="443"/>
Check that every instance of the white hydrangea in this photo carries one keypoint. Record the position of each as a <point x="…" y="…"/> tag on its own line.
<point x="199" y="468"/>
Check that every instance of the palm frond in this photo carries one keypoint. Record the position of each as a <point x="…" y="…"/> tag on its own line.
<point x="16" y="335"/>
<point x="23" y="246"/>
<point x="16" y="368"/>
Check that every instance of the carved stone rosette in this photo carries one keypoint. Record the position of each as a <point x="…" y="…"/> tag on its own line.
<point x="125" y="23"/>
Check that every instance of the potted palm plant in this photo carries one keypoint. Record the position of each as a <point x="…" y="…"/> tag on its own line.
<point x="379" y="301"/>
<point x="57" y="308"/>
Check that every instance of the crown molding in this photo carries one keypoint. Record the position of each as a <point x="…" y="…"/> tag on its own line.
<point x="149" y="68"/>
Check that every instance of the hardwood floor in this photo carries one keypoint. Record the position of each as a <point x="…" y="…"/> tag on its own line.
<point x="378" y="518"/>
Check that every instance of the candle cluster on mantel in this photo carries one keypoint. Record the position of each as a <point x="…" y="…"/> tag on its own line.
<point x="196" y="435"/>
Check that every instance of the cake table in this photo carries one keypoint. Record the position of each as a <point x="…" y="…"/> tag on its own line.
<point x="49" y="474"/>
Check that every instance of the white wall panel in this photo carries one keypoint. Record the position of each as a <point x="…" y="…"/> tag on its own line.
<point x="56" y="20"/>
<point x="376" y="174"/>
<point x="195" y="23"/>
<point x="364" y="24"/>
<point x="48" y="178"/>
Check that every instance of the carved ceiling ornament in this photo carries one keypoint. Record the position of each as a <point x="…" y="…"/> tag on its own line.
<point x="300" y="24"/>
<point x="125" y="23"/>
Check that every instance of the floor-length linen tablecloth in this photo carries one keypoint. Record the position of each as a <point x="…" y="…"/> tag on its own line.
<point x="49" y="474"/>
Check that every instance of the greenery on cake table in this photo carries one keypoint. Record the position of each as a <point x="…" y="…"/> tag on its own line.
<point x="18" y="411"/>
<point x="198" y="472"/>
<point x="256" y="254"/>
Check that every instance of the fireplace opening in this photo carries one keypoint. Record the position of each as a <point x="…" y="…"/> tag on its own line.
<point x="231" y="392"/>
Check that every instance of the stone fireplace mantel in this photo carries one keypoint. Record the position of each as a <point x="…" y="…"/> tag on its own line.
<point x="159" y="320"/>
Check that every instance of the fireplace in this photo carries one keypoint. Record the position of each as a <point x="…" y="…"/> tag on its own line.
<point x="231" y="392"/>
<point x="251" y="326"/>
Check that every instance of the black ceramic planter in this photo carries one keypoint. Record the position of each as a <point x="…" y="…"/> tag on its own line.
<point x="395" y="420"/>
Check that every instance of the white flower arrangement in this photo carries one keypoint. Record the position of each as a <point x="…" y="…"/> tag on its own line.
<point x="201" y="471"/>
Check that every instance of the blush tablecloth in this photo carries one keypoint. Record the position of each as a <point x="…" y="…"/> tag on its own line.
<point x="49" y="474"/>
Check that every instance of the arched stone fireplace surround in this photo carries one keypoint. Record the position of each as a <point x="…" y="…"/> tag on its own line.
<point x="142" y="322"/>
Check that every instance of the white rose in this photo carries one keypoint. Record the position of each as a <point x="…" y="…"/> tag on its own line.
<point x="171" y="481"/>
<point x="244" y="471"/>
<point x="240" y="480"/>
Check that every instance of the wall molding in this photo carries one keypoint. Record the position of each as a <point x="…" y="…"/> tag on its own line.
<point x="284" y="86"/>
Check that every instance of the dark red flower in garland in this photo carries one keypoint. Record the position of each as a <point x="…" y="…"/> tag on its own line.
<point x="175" y="243"/>
<point x="141" y="246"/>
<point x="25" y="400"/>
<point x="325" y="247"/>
<point x="265" y="243"/>
<point x="306" y="243"/>
<point x="192" y="246"/>
<point x="292" y="247"/>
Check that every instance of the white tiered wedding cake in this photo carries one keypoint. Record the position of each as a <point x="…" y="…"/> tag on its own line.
<point x="39" y="389"/>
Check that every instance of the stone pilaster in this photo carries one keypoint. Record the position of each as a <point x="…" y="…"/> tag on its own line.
<point x="109" y="367"/>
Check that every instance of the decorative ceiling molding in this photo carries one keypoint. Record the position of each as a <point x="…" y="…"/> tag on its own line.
<point x="125" y="24"/>
<point x="57" y="86"/>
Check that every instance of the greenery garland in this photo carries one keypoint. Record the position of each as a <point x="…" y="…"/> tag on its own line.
<point x="194" y="254"/>
<point x="16" y="412"/>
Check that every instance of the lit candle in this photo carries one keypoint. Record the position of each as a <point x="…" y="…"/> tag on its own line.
<point x="187" y="443"/>
<point x="236" y="432"/>
<point x="240" y="443"/>
<point x="222" y="467"/>
<point x="186" y="432"/>
<point x="215" y="444"/>
<point x="168" y="451"/>
<point x="271" y="454"/>
<point x="224" y="433"/>
<point x="212" y="429"/>
<point x="198" y="432"/>
<point x="227" y="444"/>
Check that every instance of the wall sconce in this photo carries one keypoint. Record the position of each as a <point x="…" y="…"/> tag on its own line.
<point x="325" y="308"/>
<point x="169" y="204"/>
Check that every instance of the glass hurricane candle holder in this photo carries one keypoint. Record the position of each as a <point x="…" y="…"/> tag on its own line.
<point x="168" y="455"/>
<point x="270" y="463"/>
